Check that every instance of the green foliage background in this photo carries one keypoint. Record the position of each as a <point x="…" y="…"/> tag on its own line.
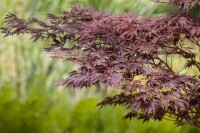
<point x="30" y="102"/>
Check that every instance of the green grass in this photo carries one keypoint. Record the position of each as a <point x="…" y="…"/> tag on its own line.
<point x="41" y="112"/>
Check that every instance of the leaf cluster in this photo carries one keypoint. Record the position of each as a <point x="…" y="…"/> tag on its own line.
<point x="126" y="52"/>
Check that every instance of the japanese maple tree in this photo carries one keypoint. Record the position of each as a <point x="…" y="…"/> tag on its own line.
<point x="127" y="52"/>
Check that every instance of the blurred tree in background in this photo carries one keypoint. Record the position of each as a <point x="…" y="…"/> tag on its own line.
<point x="30" y="101"/>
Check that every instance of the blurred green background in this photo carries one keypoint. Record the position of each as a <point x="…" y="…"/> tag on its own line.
<point x="30" y="101"/>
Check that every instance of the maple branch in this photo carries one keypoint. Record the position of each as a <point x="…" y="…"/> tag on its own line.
<point x="166" y="64"/>
<point x="103" y="47"/>
<point x="197" y="64"/>
<point x="194" y="41"/>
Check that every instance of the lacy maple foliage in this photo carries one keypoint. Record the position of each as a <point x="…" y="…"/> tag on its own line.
<point x="127" y="52"/>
